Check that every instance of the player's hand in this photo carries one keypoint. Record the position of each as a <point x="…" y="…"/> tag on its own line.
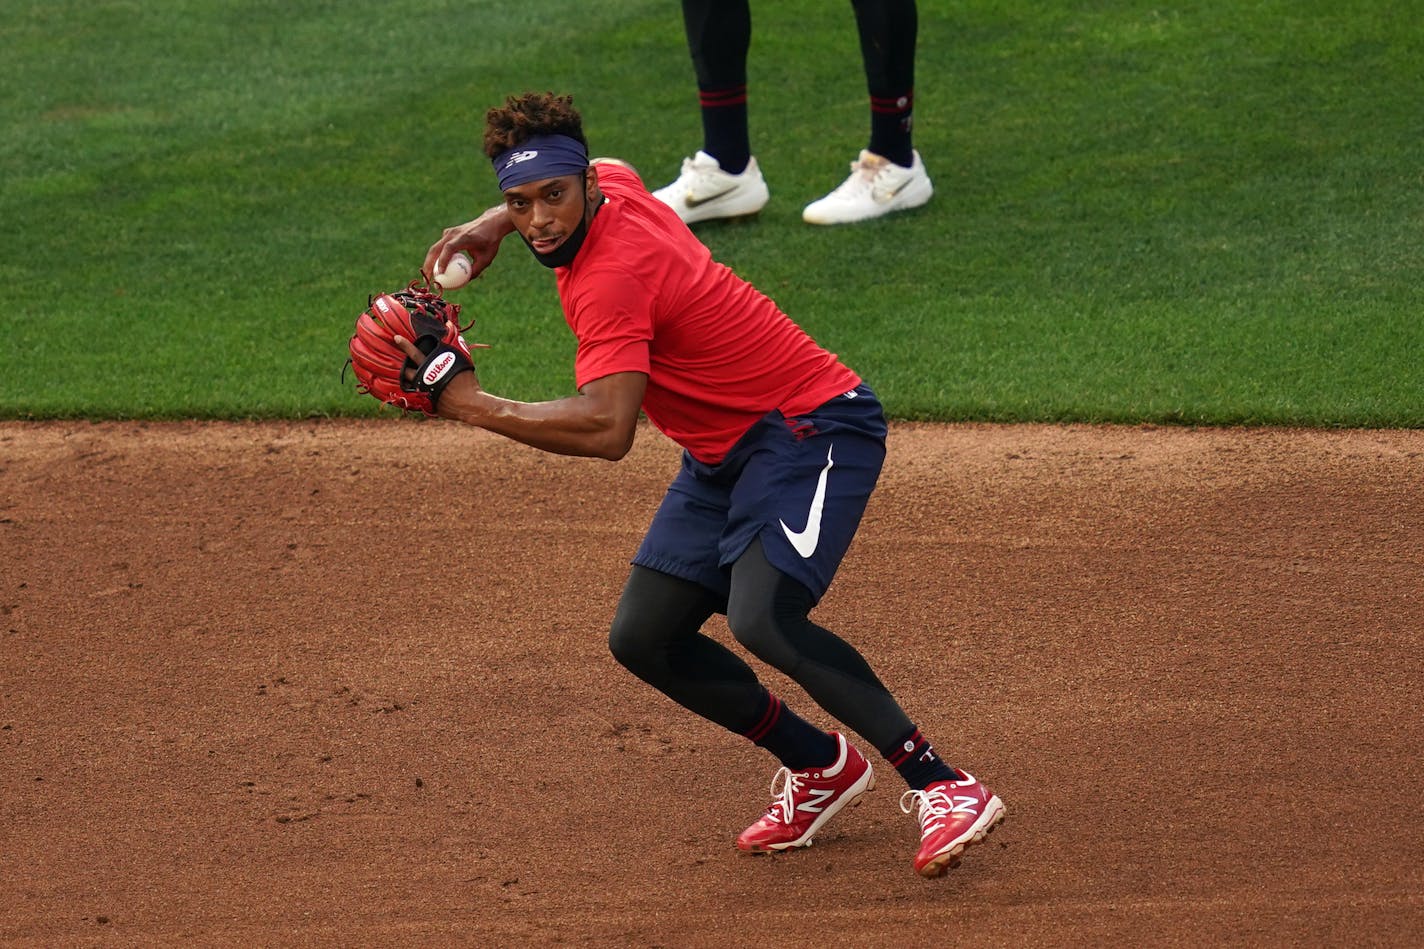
<point x="457" y="392"/>
<point x="479" y="238"/>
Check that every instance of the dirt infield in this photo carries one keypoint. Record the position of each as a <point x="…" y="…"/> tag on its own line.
<point x="347" y="683"/>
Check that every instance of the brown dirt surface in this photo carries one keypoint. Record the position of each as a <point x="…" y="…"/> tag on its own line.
<point x="347" y="683"/>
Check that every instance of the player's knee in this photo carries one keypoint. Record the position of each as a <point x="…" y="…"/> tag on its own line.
<point x="631" y="637"/>
<point x="758" y="626"/>
<point x="655" y="613"/>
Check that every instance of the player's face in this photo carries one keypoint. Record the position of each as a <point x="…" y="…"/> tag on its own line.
<point x="546" y="212"/>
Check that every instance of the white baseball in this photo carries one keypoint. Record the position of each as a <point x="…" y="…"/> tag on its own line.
<point x="456" y="273"/>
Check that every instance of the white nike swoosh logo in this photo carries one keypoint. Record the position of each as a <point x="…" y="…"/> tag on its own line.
<point x="805" y="541"/>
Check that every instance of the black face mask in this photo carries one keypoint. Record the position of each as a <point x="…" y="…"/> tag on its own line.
<point x="563" y="255"/>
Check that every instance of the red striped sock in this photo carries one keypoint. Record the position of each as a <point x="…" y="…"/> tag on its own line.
<point x="724" y="127"/>
<point x="914" y="757"/>
<point x="794" y="741"/>
<point x="891" y="119"/>
<point x="722" y="98"/>
<point x="769" y="716"/>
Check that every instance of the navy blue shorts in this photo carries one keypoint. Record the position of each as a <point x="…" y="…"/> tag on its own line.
<point x="800" y="484"/>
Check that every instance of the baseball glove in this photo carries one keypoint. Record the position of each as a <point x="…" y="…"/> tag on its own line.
<point x="428" y="320"/>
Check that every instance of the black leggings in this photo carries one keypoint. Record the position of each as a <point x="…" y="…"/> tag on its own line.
<point x="719" y="34"/>
<point x="657" y="636"/>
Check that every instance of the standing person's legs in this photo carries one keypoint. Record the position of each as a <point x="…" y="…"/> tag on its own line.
<point x="888" y="175"/>
<point x="719" y="35"/>
<point x="722" y="179"/>
<point x="888" y="32"/>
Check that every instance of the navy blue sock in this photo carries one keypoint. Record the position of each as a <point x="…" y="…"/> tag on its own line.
<point x="724" y="127"/>
<point x="917" y="762"/>
<point x="890" y="124"/>
<point x="797" y="743"/>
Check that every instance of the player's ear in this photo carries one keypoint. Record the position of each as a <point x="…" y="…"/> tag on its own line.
<point x="590" y="184"/>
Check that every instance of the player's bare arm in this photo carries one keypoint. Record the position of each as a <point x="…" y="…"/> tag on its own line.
<point x="599" y="422"/>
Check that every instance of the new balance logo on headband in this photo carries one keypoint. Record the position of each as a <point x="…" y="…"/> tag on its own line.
<point x="539" y="157"/>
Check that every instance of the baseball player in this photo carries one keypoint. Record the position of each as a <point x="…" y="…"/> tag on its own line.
<point x="783" y="444"/>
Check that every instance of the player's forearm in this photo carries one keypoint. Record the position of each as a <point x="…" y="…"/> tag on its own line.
<point x="494" y="223"/>
<point x="570" y="426"/>
<point x="479" y="238"/>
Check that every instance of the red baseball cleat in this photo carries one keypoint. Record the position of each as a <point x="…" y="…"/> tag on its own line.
<point x="807" y="799"/>
<point x="953" y="815"/>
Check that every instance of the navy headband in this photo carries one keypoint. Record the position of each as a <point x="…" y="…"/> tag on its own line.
<point x="543" y="156"/>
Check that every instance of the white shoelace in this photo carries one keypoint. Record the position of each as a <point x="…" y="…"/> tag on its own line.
<point x="934" y="806"/>
<point x="690" y="167"/>
<point x="861" y="181"/>
<point x="701" y="174"/>
<point x="790" y="782"/>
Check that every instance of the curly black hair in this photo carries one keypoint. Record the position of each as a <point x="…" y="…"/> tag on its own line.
<point x="534" y="113"/>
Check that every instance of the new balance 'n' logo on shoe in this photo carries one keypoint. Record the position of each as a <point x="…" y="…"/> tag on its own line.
<point x="953" y="815"/>
<point x="805" y="800"/>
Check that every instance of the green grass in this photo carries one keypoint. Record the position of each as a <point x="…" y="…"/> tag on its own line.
<point x="1209" y="215"/>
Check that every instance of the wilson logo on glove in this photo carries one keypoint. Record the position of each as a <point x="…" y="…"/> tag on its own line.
<point x="441" y="365"/>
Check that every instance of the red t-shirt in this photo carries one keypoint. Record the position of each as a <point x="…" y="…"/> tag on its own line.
<point x="644" y="295"/>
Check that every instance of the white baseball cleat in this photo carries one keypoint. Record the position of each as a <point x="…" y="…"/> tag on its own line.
<point x="704" y="191"/>
<point x="876" y="186"/>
